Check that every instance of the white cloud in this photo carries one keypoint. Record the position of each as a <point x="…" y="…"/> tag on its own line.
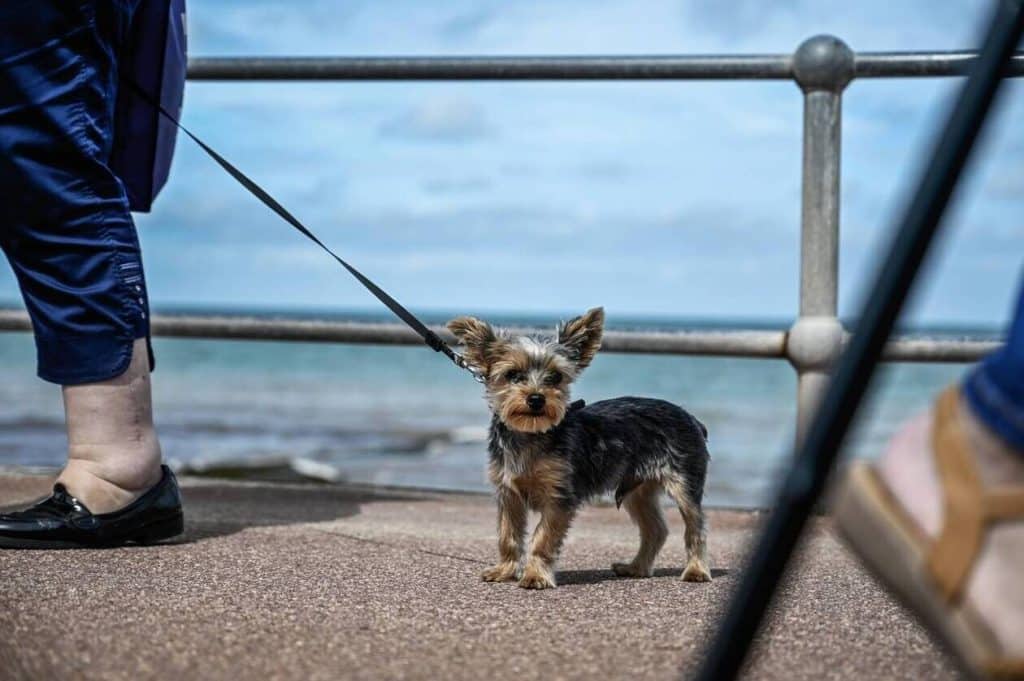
<point x="1007" y="185"/>
<point x="457" y="184"/>
<point x="667" y="197"/>
<point x="440" y="119"/>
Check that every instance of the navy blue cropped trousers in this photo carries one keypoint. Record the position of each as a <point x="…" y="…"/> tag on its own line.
<point x="995" y="388"/>
<point x="64" y="221"/>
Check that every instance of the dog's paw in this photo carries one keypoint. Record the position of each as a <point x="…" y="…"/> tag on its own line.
<point x="502" y="572"/>
<point x="696" y="571"/>
<point x="631" y="570"/>
<point x="536" y="579"/>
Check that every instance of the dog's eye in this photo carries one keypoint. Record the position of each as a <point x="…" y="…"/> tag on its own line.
<point x="554" y="378"/>
<point x="513" y="376"/>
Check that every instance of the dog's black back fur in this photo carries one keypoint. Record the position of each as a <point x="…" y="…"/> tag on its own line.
<point x="614" y="444"/>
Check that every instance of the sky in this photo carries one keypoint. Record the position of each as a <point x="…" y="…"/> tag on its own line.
<point x="677" y="199"/>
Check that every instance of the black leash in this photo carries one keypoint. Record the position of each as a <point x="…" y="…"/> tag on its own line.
<point x="428" y="336"/>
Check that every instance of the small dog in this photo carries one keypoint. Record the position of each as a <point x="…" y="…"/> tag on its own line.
<point x="551" y="455"/>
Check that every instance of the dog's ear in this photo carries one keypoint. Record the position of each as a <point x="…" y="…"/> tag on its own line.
<point x="581" y="336"/>
<point x="478" y="339"/>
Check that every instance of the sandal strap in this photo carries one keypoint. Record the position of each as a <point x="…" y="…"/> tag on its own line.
<point x="968" y="507"/>
<point x="953" y="551"/>
<point x="1004" y="503"/>
<point x="1005" y="669"/>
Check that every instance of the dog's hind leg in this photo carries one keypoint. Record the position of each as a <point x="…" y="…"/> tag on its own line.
<point x="643" y="508"/>
<point x="696" y="540"/>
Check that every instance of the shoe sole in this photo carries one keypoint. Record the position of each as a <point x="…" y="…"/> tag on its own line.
<point x="150" y="533"/>
<point x="869" y="522"/>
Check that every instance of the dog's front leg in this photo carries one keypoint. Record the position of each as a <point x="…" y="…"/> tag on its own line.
<point x="539" y="572"/>
<point x="511" y="532"/>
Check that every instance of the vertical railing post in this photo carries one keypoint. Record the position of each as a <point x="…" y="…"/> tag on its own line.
<point x="822" y="67"/>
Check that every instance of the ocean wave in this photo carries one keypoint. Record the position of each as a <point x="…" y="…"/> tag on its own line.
<point x="458" y="434"/>
<point x="274" y="468"/>
<point x="32" y="422"/>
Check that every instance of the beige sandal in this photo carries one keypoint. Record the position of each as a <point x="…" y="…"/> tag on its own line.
<point x="930" y="575"/>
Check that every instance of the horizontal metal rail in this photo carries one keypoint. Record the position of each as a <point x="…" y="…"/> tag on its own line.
<point x="925" y="349"/>
<point x="741" y="343"/>
<point x="822" y="66"/>
<point x="492" y="68"/>
<point x="725" y="67"/>
<point x="922" y="64"/>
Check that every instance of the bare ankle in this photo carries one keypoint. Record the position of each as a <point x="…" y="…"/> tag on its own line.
<point x="908" y="470"/>
<point x="103" y="492"/>
<point x="108" y="478"/>
<point x="113" y="451"/>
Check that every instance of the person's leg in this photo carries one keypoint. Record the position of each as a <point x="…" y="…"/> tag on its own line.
<point x="67" y="232"/>
<point x="995" y="389"/>
<point x="113" y="451"/>
<point x="991" y="417"/>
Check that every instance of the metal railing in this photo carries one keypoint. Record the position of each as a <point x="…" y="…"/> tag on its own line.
<point x="821" y="67"/>
<point x="765" y="344"/>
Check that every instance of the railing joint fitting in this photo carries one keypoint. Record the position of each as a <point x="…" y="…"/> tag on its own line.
<point x="814" y="343"/>
<point x="823" y="62"/>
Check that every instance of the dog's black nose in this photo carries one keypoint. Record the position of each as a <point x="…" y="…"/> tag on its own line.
<point x="535" y="402"/>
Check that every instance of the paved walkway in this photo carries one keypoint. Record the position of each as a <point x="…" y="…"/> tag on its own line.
<point x="283" y="582"/>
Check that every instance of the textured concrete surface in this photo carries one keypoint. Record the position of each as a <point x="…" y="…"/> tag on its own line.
<point x="285" y="582"/>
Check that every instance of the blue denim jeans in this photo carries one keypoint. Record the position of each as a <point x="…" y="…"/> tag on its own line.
<point x="995" y="388"/>
<point x="64" y="221"/>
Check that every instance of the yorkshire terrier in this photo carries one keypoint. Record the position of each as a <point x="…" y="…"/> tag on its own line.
<point x="551" y="455"/>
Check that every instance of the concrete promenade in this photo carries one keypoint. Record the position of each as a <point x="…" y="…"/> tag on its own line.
<point x="315" y="582"/>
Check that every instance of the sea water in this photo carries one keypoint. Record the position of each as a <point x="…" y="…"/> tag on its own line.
<point x="405" y="416"/>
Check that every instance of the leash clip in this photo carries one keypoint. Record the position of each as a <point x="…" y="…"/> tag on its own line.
<point x="461" y="362"/>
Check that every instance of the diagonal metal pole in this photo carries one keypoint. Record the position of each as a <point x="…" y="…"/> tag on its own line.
<point x="821" y="446"/>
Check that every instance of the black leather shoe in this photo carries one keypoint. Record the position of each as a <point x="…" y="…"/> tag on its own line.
<point x="63" y="522"/>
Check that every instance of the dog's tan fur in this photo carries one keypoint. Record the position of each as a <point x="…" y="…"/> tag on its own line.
<point x="511" y="533"/>
<point x="535" y="487"/>
<point x="527" y="381"/>
<point x="539" y="572"/>
<point x="643" y="507"/>
<point x="696" y="569"/>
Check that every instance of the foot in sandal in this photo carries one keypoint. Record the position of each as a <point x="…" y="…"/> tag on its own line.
<point x="940" y="520"/>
